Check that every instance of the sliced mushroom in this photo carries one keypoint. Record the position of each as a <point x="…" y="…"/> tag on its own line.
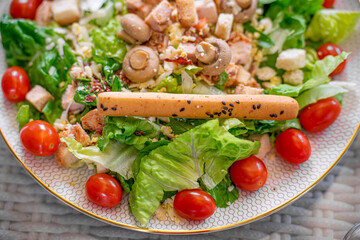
<point x="141" y="64"/>
<point x="243" y="10"/>
<point x="136" y="28"/>
<point x="214" y="56"/>
<point x="246" y="13"/>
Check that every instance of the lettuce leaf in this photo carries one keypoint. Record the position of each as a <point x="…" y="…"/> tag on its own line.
<point x="117" y="157"/>
<point x="264" y="40"/>
<point x="181" y="125"/>
<point x="108" y="50"/>
<point x="134" y="131"/>
<point x="318" y="75"/>
<point x="315" y="94"/>
<point x="332" y="25"/>
<point x="25" y="113"/>
<point x="224" y="193"/>
<point x="206" y="152"/>
<point x="170" y="85"/>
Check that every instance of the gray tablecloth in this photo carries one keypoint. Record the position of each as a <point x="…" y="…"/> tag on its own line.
<point x="27" y="211"/>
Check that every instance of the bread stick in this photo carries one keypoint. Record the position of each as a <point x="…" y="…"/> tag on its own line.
<point x="261" y="107"/>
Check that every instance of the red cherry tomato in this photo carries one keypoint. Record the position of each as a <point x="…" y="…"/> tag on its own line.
<point x="15" y="84"/>
<point x="293" y="146"/>
<point x="333" y="50"/>
<point x="103" y="190"/>
<point x="328" y="3"/>
<point x="249" y="174"/>
<point x="24" y="8"/>
<point x="39" y="138"/>
<point x="194" y="204"/>
<point x="320" y="115"/>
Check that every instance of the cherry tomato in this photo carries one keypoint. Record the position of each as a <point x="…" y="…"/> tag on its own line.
<point x="328" y="3"/>
<point x="293" y="146"/>
<point x="15" y="84"/>
<point x="103" y="190"/>
<point x="39" y="138"/>
<point x="320" y="115"/>
<point x="333" y="50"/>
<point x="249" y="174"/>
<point x="24" y="8"/>
<point x="194" y="204"/>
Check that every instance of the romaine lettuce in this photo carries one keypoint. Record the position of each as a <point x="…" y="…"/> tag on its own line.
<point x="332" y="26"/>
<point x="206" y="152"/>
<point x="317" y="93"/>
<point x="134" y="131"/>
<point x="117" y="157"/>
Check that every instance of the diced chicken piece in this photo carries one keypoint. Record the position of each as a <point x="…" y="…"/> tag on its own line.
<point x="68" y="98"/>
<point x="159" y="17"/>
<point x="238" y="75"/>
<point x="189" y="50"/>
<point x="139" y="8"/>
<point x="241" y="52"/>
<point x="187" y="13"/>
<point x="65" y="11"/>
<point x="224" y="25"/>
<point x="63" y="157"/>
<point x="291" y="59"/>
<point x="78" y="133"/>
<point x="206" y="9"/>
<point x="241" y="89"/>
<point x="265" y="147"/>
<point x="265" y="73"/>
<point x="38" y="97"/>
<point x="93" y="121"/>
<point x="294" y="77"/>
<point x="44" y="14"/>
<point x="158" y="42"/>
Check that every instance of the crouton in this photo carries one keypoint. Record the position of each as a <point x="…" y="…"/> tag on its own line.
<point x="65" y="12"/>
<point x="265" y="73"/>
<point x="206" y="9"/>
<point x="63" y="157"/>
<point x="159" y="17"/>
<point x="224" y="26"/>
<point x="294" y="77"/>
<point x="38" y="97"/>
<point x="187" y="12"/>
<point x="93" y="121"/>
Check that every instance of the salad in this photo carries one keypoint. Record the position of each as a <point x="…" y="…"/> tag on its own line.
<point x="87" y="77"/>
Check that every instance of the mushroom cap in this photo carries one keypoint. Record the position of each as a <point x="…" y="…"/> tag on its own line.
<point x="244" y="3"/>
<point x="206" y="52"/>
<point x="140" y="64"/>
<point x="135" y="27"/>
<point x="246" y="14"/>
<point x="223" y="58"/>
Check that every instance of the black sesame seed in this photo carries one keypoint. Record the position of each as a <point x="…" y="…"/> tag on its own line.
<point x="254" y="107"/>
<point x="245" y="116"/>
<point x="273" y="115"/>
<point x="237" y="102"/>
<point x="174" y="115"/>
<point x="224" y="103"/>
<point x="231" y="105"/>
<point x="207" y="113"/>
<point x="188" y="101"/>
<point x="183" y="109"/>
<point x="259" y="106"/>
<point x="226" y="108"/>
<point x="223" y="111"/>
<point x="216" y="113"/>
<point x="282" y="112"/>
<point x="101" y="105"/>
<point x="231" y="109"/>
<point x="113" y="108"/>
<point x="230" y="114"/>
<point x="212" y="116"/>
<point x="105" y="109"/>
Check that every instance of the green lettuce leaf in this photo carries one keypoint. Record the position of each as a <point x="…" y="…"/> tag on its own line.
<point x="108" y="50"/>
<point x="170" y="84"/>
<point x="134" y="131"/>
<point x="264" y="40"/>
<point x="181" y="125"/>
<point x="117" y="157"/>
<point x="317" y="76"/>
<point x="320" y="92"/>
<point x="271" y="126"/>
<point x="190" y="69"/>
<point x="26" y="113"/>
<point x="332" y="25"/>
<point x="221" y="194"/>
<point x="206" y="152"/>
<point x="52" y="110"/>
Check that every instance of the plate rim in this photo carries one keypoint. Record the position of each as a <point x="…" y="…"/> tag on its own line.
<point x="179" y="232"/>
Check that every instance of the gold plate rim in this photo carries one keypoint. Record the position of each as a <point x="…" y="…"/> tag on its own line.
<point x="145" y="230"/>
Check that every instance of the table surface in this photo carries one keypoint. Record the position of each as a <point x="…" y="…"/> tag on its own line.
<point x="328" y="211"/>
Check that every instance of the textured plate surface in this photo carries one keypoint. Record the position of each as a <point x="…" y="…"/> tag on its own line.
<point x="285" y="181"/>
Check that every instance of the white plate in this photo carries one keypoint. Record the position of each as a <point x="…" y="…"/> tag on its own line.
<point x="286" y="182"/>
